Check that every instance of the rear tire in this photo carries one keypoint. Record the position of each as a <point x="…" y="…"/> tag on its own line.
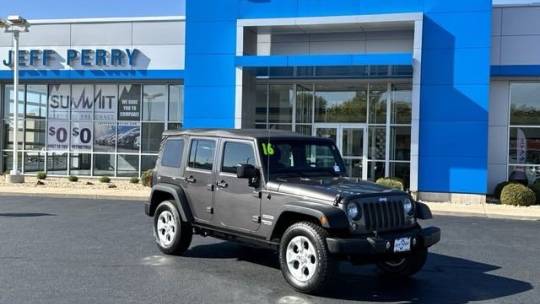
<point x="172" y="235"/>
<point x="404" y="267"/>
<point x="304" y="258"/>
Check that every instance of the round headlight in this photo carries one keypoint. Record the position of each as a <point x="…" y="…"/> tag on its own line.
<point x="353" y="211"/>
<point x="408" y="206"/>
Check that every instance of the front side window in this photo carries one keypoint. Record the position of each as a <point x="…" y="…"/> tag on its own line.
<point x="172" y="153"/>
<point x="201" y="155"/>
<point x="235" y="154"/>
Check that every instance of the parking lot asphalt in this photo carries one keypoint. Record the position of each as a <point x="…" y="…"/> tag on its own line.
<point x="99" y="251"/>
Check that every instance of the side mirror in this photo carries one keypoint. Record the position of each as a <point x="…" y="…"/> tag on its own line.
<point x="246" y="171"/>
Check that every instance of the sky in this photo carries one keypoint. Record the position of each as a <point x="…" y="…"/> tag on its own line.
<point x="52" y="9"/>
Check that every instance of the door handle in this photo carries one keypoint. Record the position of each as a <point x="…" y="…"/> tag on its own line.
<point x="222" y="184"/>
<point x="190" y="179"/>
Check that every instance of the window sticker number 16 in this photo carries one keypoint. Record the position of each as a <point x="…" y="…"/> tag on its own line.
<point x="268" y="150"/>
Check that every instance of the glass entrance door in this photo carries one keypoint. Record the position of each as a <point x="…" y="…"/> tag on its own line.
<point x="351" y="141"/>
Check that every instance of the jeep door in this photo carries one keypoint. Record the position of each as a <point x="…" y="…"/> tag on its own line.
<point x="237" y="203"/>
<point x="198" y="179"/>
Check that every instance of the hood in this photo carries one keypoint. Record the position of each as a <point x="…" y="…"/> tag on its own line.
<point x="325" y="188"/>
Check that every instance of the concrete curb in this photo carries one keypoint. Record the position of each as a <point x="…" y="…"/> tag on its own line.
<point x="77" y="196"/>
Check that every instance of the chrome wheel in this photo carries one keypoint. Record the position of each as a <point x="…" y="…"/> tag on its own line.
<point x="166" y="228"/>
<point x="301" y="258"/>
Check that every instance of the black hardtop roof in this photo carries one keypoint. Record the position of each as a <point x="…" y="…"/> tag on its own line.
<point x="238" y="133"/>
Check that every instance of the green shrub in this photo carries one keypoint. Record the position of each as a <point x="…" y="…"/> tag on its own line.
<point x="146" y="178"/>
<point x="41" y="175"/>
<point x="73" y="178"/>
<point x="536" y="188"/>
<point x="134" y="180"/>
<point x="391" y="182"/>
<point x="499" y="188"/>
<point x="517" y="195"/>
<point x="105" y="179"/>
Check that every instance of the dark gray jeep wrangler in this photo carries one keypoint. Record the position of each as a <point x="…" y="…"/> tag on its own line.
<point x="287" y="192"/>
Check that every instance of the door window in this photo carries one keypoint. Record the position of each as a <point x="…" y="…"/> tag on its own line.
<point x="172" y="153"/>
<point x="201" y="155"/>
<point x="235" y="154"/>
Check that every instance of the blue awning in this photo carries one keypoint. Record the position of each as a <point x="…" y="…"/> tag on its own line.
<point x="325" y="60"/>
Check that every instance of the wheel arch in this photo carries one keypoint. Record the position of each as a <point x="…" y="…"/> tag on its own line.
<point x="328" y="217"/>
<point x="173" y="193"/>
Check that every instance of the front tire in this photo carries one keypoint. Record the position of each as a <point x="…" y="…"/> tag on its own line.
<point x="304" y="258"/>
<point x="405" y="266"/>
<point x="173" y="236"/>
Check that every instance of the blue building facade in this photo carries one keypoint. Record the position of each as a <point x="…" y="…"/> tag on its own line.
<point x="452" y="124"/>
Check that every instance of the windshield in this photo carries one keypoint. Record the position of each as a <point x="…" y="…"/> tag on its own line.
<point x="300" y="158"/>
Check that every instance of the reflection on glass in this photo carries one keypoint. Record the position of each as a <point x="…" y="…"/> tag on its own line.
<point x="530" y="174"/>
<point x="104" y="136"/>
<point x="400" y="143"/>
<point x="36" y="101"/>
<point x="327" y="133"/>
<point x="154" y="102"/>
<point x="34" y="134"/>
<point x="8" y="136"/>
<point x="128" y="165"/>
<point x="57" y="163"/>
<point x="261" y="103"/>
<point x="104" y="164"/>
<point x="7" y="158"/>
<point x="377" y="143"/>
<point x="80" y="164"/>
<point x="401" y="170"/>
<point x="304" y="103"/>
<point x="401" y="103"/>
<point x="341" y="103"/>
<point x="304" y="130"/>
<point x="524" y="146"/>
<point x="280" y="105"/>
<point x="34" y="162"/>
<point x="375" y="170"/>
<point x="151" y="137"/>
<point x="129" y="137"/>
<point x="176" y="103"/>
<point x="354" y="167"/>
<point x="353" y="142"/>
<point x="9" y="107"/>
<point x="525" y="103"/>
<point x="378" y="96"/>
<point x="148" y="162"/>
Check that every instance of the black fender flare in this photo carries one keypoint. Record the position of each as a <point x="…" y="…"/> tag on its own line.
<point x="179" y="197"/>
<point x="327" y="215"/>
<point x="423" y="212"/>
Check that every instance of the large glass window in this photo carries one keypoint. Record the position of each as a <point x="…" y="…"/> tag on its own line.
<point x="378" y="96"/>
<point x="340" y="103"/>
<point x="524" y="141"/>
<point x="64" y="128"/>
<point x="154" y="102"/>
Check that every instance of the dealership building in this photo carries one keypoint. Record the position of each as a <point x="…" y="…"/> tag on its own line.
<point x="444" y="94"/>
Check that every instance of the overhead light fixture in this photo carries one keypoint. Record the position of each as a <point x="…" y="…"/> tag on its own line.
<point x="17" y="20"/>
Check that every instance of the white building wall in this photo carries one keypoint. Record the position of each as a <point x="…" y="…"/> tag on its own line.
<point x="160" y="40"/>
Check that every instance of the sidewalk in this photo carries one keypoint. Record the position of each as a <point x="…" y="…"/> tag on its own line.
<point x="142" y="194"/>
<point x="486" y="210"/>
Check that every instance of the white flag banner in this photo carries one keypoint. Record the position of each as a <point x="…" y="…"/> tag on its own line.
<point x="521" y="147"/>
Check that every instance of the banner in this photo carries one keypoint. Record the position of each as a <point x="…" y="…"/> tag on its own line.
<point x="59" y="101"/>
<point x="521" y="147"/>
<point x="106" y="102"/>
<point x="129" y="102"/>
<point x="129" y="137"/>
<point x="105" y="136"/>
<point x="81" y="136"/>
<point x="82" y="102"/>
<point x="57" y="135"/>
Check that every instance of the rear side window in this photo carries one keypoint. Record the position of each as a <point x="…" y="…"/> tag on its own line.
<point x="235" y="154"/>
<point x="201" y="154"/>
<point x="172" y="153"/>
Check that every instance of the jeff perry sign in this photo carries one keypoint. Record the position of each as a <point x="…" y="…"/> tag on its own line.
<point x="84" y="57"/>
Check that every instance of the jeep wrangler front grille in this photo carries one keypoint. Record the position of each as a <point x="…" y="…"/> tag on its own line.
<point x="383" y="215"/>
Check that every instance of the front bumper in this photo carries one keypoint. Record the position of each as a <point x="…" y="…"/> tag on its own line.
<point x="383" y="244"/>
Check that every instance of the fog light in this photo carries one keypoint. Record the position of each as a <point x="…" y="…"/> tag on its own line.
<point x="388" y="245"/>
<point x="414" y="241"/>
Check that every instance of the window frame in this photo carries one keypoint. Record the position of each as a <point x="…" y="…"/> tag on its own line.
<point x="222" y="154"/>
<point x="188" y="160"/>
